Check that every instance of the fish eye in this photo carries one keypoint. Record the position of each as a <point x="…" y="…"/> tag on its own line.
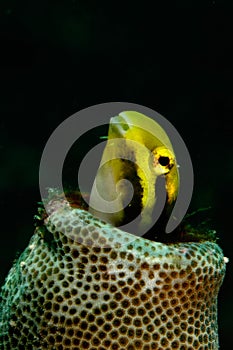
<point x="164" y="161"/>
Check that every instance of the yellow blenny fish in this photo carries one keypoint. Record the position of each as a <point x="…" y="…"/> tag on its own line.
<point x="138" y="151"/>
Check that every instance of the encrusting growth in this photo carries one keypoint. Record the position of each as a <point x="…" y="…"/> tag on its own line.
<point x="84" y="284"/>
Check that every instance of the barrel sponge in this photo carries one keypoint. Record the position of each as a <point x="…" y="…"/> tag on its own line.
<point x="84" y="284"/>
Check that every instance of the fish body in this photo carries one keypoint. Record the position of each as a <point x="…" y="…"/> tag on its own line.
<point x="137" y="152"/>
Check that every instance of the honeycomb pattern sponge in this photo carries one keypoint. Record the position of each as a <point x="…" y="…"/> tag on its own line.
<point x="83" y="284"/>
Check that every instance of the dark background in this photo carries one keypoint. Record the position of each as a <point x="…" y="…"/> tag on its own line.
<point x="58" y="57"/>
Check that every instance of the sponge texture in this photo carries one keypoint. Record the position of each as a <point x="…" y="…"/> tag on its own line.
<point x="83" y="284"/>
